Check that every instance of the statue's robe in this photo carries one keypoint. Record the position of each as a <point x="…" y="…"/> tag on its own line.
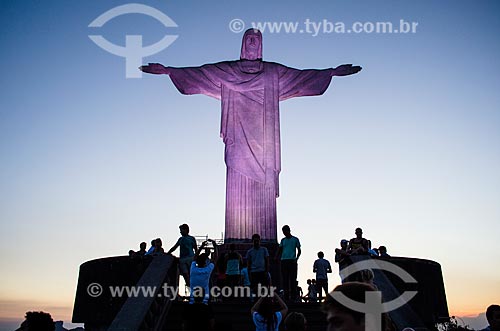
<point x="250" y="92"/>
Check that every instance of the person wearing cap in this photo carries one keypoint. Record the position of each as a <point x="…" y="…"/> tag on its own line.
<point x="341" y="254"/>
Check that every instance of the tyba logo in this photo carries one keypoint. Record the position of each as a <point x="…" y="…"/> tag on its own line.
<point x="373" y="307"/>
<point x="133" y="51"/>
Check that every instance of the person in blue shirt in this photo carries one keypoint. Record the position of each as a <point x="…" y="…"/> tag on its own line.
<point x="152" y="248"/>
<point x="234" y="262"/>
<point x="265" y="317"/>
<point x="201" y="270"/>
<point x="289" y="252"/>
<point x="322" y="268"/>
<point x="187" y="251"/>
<point x="258" y="264"/>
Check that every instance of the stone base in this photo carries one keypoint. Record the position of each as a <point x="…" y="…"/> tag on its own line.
<point x="249" y="241"/>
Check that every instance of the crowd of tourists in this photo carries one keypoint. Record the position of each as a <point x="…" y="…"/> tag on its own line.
<point x="204" y="267"/>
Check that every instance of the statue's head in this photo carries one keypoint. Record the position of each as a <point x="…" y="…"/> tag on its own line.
<point x="251" y="45"/>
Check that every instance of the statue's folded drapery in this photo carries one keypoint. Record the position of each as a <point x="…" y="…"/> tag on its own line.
<point x="250" y="92"/>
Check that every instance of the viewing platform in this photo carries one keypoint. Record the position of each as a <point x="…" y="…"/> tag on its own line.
<point x="101" y="310"/>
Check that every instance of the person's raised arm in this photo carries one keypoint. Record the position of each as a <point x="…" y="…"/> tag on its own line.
<point x="256" y="306"/>
<point x="283" y="306"/>
<point x="345" y="70"/>
<point x="155" y="69"/>
<point x="202" y="246"/>
<point x="173" y="248"/>
<point x="216" y="249"/>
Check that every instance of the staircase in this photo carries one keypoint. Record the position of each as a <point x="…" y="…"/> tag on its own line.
<point x="235" y="316"/>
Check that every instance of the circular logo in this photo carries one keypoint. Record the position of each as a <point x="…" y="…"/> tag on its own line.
<point x="375" y="305"/>
<point x="237" y="25"/>
<point x="94" y="290"/>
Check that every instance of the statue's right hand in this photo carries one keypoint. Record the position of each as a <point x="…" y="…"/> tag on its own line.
<point x="155" y="68"/>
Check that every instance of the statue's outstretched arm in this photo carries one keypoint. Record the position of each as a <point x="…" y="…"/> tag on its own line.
<point x="346" y="70"/>
<point x="155" y="68"/>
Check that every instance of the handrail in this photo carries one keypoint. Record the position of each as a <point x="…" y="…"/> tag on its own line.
<point x="148" y="312"/>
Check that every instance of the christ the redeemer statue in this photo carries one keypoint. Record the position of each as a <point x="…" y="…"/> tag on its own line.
<point x="250" y="91"/>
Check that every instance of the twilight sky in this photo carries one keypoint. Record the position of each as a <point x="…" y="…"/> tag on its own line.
<point x="92" y="163"/>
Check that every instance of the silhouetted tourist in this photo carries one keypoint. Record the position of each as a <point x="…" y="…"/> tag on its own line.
<point x="200" y="275"/>
<point x="312" y="294"/>
<point x="265" y="315"/>
<point x="340" y="317"/>
<point x="152" y="248"/>
<point x="233" y="261"/>
<point x="342" y="256"/>
<point x="289" y="251"/>
<point x="211" y="257"/>
<point x="342" y="252"/>
<point x="493" y="317"/>
<point x="37" y="321"/>
<point x="257" y="264"/>
<point x="198" y="316"/>
<point x="142" y="249"/>
<point x="140" y="252"/>
<point x="158" y="247"/>
<point x="295" y="322"/>
<point x="322" y="268"/>
<point x="300" y="293"/>
<point x="383" y="251"/>
<point x="372" y="252"/>
<point x="358" y="245"/>
<point x="187" y="251"/>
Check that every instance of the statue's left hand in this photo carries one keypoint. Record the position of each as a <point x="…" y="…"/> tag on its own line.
<point x="346" y="70"/>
